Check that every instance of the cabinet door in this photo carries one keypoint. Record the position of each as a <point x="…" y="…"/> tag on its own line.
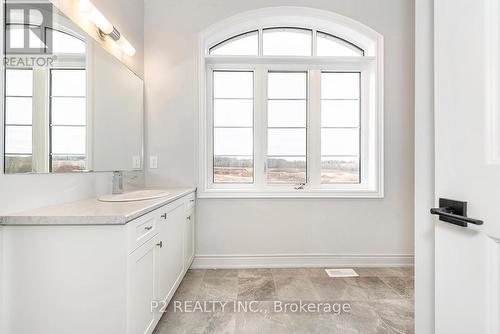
<point x="171" y="263"/>
<point x="142" y="281"/>
<point x="189" y="241"/>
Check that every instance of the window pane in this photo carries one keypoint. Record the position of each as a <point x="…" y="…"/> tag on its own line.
<point x="340" y="113"/>
<point x="66" y="164"/>
<point x="233" y="141"/>
<point x="233" y="112"/>
<point x="233" y="84"/>
<point x="18" y="110"/>
<point x="18" y="139"/>
<point x="286" y="170"/>
<point x="286" y="142"/>
<point x="18" y="164"/>
<point x="287" y="85"/>
<point x="16" y="35"/>
<point x="340" y="142"/>
<point x="339" y="170"/>
<point x="287" y="42"/>
<point x="340" y="85"/>
<point x="19" y="82"/>
<point x="243" y="45"/>
<point x="68" y="140"/>
<point x="229" y="169"/>
<point x="329" y="45"/>
<point x="68" y="83"/>
<point x="286" y="113"/>
<point x="65" y="43"/>
<point x="68" y="111"/>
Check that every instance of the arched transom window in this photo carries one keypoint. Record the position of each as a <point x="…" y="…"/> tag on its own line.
<point x="291" y="106"/>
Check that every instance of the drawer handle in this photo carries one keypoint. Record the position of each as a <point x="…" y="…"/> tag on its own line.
<point x="164" y="216"/>
<point x="188" y="217"/>
<point x="160" y="244"/>
<point x="148" y="228"/>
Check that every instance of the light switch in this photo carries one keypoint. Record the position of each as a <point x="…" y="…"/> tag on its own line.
<point x="136" y="162"/>
<point x="153" y="162"/>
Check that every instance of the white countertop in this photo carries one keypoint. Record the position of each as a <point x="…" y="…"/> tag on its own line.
<point x="92" y="211"/>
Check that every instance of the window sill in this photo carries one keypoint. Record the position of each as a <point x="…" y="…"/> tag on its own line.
<point x="232" y="193"/>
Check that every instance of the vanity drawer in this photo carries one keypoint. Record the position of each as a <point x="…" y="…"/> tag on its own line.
<point x="141" y="230"/>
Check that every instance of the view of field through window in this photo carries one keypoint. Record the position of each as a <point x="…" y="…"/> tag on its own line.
<point x="287" y="128"/>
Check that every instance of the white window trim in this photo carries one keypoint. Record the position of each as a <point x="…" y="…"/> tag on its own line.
<point x="371" y="65"/>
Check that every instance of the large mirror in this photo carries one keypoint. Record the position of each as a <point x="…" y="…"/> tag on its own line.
<point x="72" y="107"/>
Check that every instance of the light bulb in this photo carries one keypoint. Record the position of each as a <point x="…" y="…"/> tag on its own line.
<point x="96" y="16"/>
<point x="126" y="46"/>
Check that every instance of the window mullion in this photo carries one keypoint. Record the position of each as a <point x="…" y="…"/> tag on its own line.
<point x="314" y="129"/>
<point x="40" y="120"/>
<point x="260" y="121"/>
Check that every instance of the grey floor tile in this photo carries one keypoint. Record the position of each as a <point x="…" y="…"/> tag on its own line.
<point x="196" y="323"/>
<point x="337" y="289"/>
<point x="397" y="316"/>
<point x="263" y="322"/>
<point x="256" y="288"/>
<point x="381" y="302"/>
<point x="404" y="286"/>
<point x="189" y="289"/>
<point x="316" y="272"/>
<point x="247" y="273"/>
<point x="289" y="272"/>
<point x="195" y="273"/>
<point x="221" y="273"/>
<point x="374" y="287"/>
<point x="362" y="319"/>
<point x="295" y="288"/>
<point x="223" y="289"/>
<point x="386" y="272"/>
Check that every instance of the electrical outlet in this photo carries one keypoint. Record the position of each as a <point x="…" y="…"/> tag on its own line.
<point x="136" y="162"/>
<point x="153" y="162"/>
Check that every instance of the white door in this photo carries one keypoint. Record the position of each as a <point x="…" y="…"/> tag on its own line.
<point x="171" y="260"/>
<point x="467" y="158"/>
<point x="142" y="287"/>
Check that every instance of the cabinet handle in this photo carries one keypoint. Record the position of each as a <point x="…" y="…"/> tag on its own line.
<point x="164" y="216"/>
<point x="188" y="217"/>
<point x="192" y="200"/>
<point x="148" y="228"/>
<point x="160" y="244"/>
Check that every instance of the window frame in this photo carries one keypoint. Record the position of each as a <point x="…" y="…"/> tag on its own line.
<point x="370" y="67"/>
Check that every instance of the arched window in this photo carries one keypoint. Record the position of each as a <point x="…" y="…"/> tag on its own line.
<point x="291" y="106"/>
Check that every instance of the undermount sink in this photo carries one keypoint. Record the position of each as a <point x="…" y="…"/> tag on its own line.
<point x="139" y="195"/>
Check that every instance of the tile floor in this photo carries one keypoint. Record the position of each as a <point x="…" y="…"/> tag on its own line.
<point x="379" y="301"/>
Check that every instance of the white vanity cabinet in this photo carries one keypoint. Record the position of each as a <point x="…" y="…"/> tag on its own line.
<point x="157" y="267"/>
<point x="96" y="278"/>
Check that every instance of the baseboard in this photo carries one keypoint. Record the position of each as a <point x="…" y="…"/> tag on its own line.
<point x="300" y="261"/>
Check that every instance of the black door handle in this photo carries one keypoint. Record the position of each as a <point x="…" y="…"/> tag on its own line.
<point x="454" y="212"/>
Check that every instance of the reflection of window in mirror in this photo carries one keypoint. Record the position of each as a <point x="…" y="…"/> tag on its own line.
<point x="46" y="107"/>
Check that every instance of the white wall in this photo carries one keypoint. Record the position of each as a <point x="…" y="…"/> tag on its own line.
<point x="368" y="229"/>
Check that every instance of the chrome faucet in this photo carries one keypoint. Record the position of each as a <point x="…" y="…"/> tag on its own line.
<point x="117" y="183"/>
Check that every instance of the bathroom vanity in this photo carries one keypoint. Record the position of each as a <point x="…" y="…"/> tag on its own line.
<point x="96" y="267"/>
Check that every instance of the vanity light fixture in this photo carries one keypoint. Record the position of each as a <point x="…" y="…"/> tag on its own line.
<point x="105" y="27"/>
